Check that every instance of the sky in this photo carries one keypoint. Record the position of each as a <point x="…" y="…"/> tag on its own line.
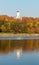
<point x="28" y="8"/>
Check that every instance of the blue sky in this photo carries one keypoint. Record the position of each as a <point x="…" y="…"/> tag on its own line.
<point x="26" y="7"/>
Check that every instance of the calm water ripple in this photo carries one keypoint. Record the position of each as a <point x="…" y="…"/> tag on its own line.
<point x="19" y="52"/>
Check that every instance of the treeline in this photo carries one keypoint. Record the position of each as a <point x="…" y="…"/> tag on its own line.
<point x="24" y="25"/>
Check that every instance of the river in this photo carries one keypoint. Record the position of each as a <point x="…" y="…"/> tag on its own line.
<point x="19" y="52"/>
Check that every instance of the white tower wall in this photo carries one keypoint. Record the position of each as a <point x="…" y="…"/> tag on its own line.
<point x="18" y="15"/>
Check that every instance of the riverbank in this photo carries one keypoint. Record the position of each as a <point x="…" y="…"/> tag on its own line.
<point x="16" y="35"/>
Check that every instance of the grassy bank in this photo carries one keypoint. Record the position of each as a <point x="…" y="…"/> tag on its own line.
<point x="14" y="35"/>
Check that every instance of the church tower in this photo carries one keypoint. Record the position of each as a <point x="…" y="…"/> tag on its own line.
<point x="18" y="15"/>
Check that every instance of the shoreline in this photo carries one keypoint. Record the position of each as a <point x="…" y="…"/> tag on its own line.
<point x="16" y="35"/>
<point x="11" y="36"/>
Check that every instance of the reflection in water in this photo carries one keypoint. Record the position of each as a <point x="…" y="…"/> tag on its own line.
<point x="27" y="51"/>
<point x="24" y="45"/>
<point x="18" y="53"/>
<point x="18" y="45"/>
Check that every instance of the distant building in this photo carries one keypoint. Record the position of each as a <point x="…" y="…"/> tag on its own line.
<point x="18" y="15"/>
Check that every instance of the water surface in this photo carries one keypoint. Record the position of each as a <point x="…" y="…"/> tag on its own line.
<point x="19" y="52"/>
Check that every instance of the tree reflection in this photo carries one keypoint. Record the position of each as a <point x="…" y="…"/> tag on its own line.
<point x="18" y="45"/>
